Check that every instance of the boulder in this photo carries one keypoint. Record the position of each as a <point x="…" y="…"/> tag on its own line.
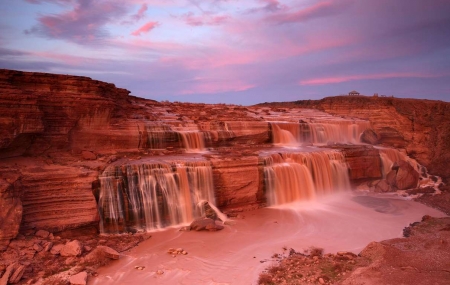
<point x="390" y="178"/>
<point x="109" y="252"/>
<point x="383" y="186"/>
<point x="205" y="224"/>
<point x="78" y="279"/>
<point x="7" y="274"/>
<point x="88" y="155"/>
<point x="17" y="275"/>
<point x="42" y="234"/>
<point x="56" y="249"/>
<point x="370" y="137"/>
<point x="407" y="177"/>
<point x="72" y="248"/>
<point x="209" y="212"/>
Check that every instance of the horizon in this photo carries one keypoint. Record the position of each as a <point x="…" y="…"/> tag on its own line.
<point x="224" y="51"/>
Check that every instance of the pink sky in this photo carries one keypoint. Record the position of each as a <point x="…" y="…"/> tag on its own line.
<point x="230" y="51"/>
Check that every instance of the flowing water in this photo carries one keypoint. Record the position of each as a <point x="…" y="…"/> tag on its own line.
<point x="317" y="132"/>
<point x="237" y="254"/>
<point x="297" y="176"/>
<point x="153" y="196"/>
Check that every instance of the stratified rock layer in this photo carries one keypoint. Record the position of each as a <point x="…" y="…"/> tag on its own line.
<point x="422" y="127"/>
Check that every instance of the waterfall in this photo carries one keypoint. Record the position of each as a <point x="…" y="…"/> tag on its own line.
<point x="153" y="196"/>
<point x="292" y="177"/>
<point x="321" y="132"/>
<point x="158" y="136"/>
<point x="193" y="141"/>
<point x="389" y="156"/>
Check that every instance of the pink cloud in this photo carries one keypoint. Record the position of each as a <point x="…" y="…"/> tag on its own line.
<point x="204" y="20"/>
<point x="321" y="9"/>
<point x="145" y="28"/>
<point x="141" y="13"/>
<point x="340" y="79"/>
<point x="210" y="86"/>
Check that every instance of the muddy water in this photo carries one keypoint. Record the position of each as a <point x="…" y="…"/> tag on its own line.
<point x="237" y="254"/>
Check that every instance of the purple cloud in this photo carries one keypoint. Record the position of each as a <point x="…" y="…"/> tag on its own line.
<point x="207" y="19"/>
<point x="140" y="14"/>
<point x="321" y="9"/>
<point x="84" y="24"/>
<point x="270" y="6"/>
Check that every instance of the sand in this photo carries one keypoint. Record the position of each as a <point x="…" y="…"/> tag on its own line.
<point x="237" y="254"/>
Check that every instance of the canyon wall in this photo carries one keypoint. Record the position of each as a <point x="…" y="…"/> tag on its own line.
<point x="58" y="134"/>
<point x="421" y="127"/>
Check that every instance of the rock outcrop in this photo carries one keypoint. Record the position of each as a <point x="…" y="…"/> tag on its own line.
<point x="422" y="127"/>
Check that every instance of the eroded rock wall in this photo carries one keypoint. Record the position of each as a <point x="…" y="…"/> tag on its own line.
<point x="421" y="127"/>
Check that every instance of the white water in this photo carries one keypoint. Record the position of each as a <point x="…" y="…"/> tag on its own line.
<point x="234" y="255"/>
<point x="153" y="196"/>
<point x="317" y="132"/>
<point x="297" y="176"/>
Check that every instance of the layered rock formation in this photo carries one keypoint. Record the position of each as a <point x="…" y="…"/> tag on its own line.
<point x="421" y="127"/>
<point x="59" y="133"/>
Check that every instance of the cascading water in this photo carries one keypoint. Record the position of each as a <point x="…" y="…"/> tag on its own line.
<point x="337" y="131"/>
<point x="390" y="155"/>
<point x="153" y="196"/>
<point x="193" y="141"/>
<point x="292" y="177"/>
<point x="158" y="136"/>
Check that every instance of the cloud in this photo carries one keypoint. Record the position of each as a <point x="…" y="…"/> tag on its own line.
<point x="270" y="6"/>
<point x="145" y="28"/>
<point x="207" y="19"/>
<point x="211" y="86"/>
<point x="84" y="24"/>
<point x="340" y="79"/>
<point x="321" y="9"/>
<point x="140" y="14"/>
<point x="11" y="52"/>
<point x="61" y="2"/>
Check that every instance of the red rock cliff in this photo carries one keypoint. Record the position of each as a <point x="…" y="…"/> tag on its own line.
<point x="421" y="127"/>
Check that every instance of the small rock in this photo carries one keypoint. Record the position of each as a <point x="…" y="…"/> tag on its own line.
<point x="72" y="248"/>
<point x="87" y="248"/>
<point x="8" y="272"/>
<point x="37" y="247"/>
<point x="48" y="246"/>
<point x="321" y="281"/>
<point x="78" y="279"/>
<point x="184" y="252"/>
<point x="159" y="272"/>
<point x="56" y="249"/>
<point x="17" y="275"/>
<point x="185" y="229"/>
<point x="42" y="234"/>
<point x="88" y="155"/>
<point x="139" y="267"/>
<point x="109" y="252"/>
<point x="70" y="260"/>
